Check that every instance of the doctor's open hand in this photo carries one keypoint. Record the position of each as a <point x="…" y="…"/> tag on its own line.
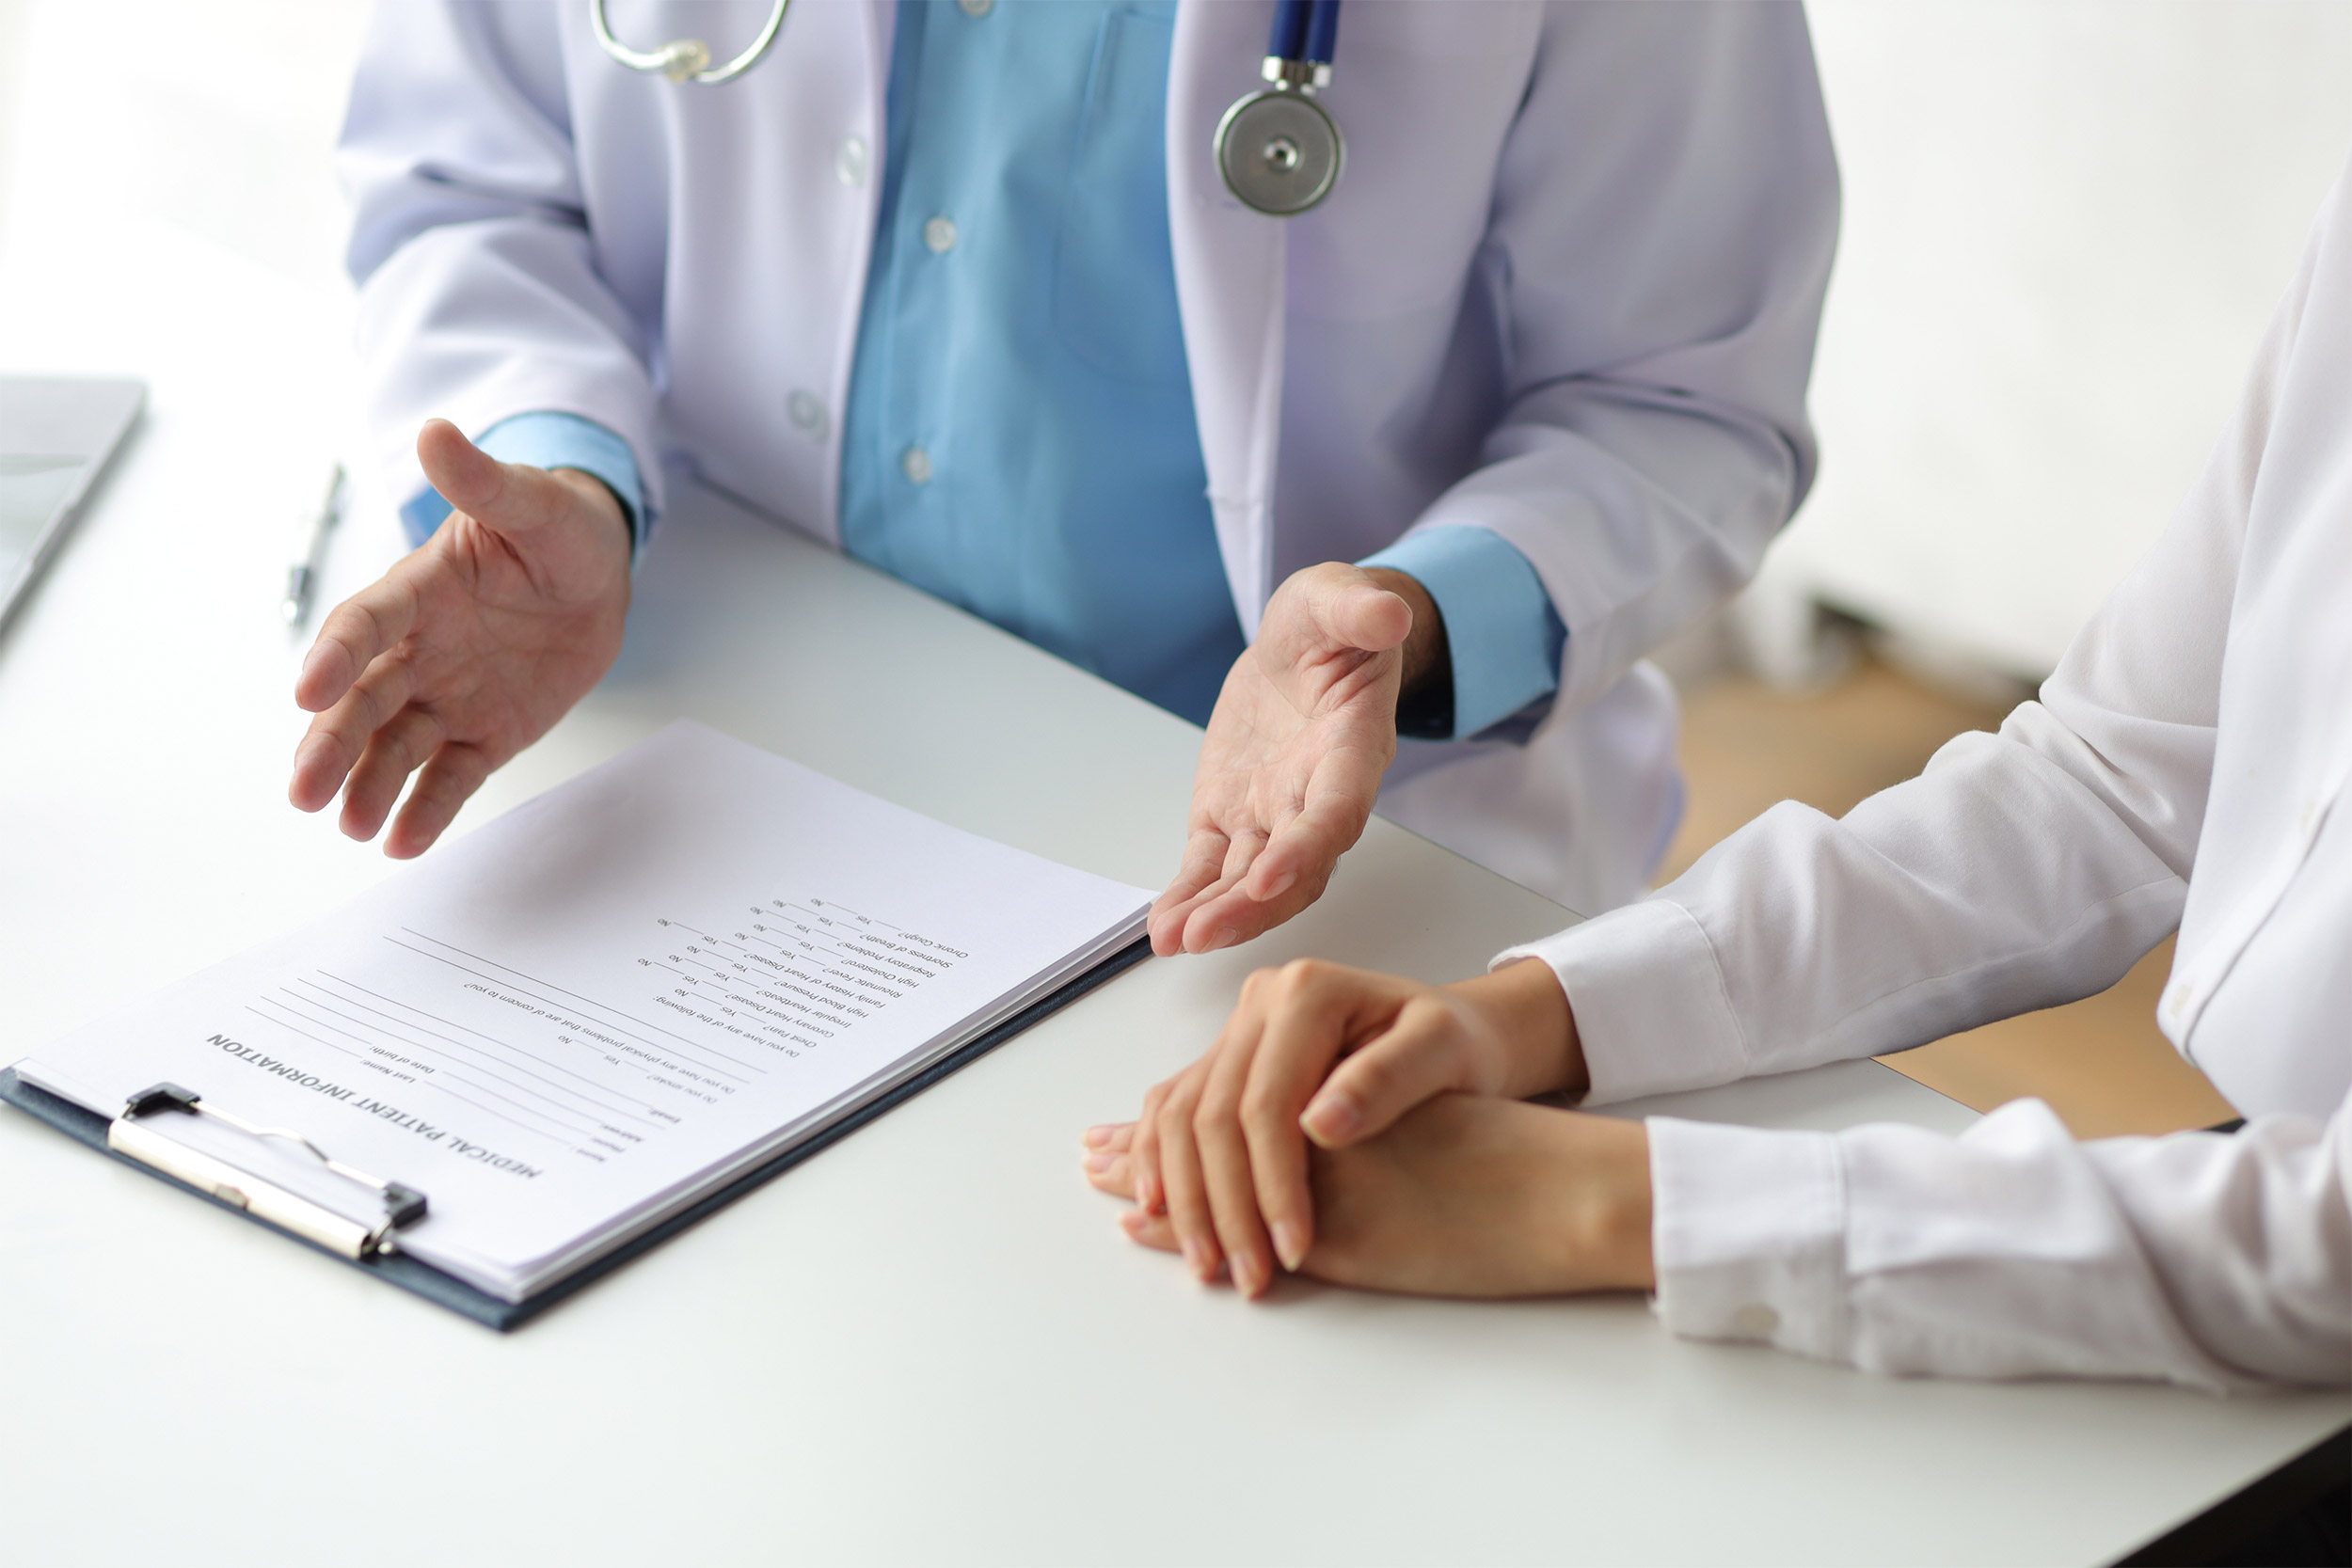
<point x="469" y="649"/>
<point x="1301" y="735"/>
<point x="1217" y="1163"/>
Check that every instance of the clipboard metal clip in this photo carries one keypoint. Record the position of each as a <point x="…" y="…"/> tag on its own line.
<point x="128" y="1135"/>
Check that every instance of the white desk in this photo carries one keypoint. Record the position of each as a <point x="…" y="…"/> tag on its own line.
<point x="928" y="1344"/>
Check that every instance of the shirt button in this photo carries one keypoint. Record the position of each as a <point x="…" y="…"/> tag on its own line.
<point x="808" y="413"/>
<point x="917" y="464"/>
<point x="1755" y="1321"/>
<point x="976" y="7"/>
<point x="849" y="161"/>
<point x="940" y="234"/>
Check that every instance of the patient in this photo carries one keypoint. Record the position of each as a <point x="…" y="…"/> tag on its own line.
<point x="2184" y="768"/>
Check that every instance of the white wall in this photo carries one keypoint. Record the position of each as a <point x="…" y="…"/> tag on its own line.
<point x="14" y="15"/>
<point x="174" y="159"/>
<point x="2066" y="224"/>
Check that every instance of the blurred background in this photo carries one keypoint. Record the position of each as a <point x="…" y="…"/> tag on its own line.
<point x="2066" y="223"/>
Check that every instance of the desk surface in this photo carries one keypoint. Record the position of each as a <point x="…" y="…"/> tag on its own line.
<point x="928" y="1344"/>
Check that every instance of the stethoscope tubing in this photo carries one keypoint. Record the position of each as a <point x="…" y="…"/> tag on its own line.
<point x="1305" y="30"/>
<point x="688" y="59"/>
<point x="1300" y="50"/>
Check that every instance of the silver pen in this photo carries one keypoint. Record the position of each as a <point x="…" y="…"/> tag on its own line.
<point x="304" y="574"/>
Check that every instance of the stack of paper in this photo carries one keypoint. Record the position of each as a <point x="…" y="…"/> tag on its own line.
<point x="607" y="1003"/>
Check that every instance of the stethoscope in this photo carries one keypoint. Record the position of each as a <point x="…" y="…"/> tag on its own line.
<point x="1279" y="151"/>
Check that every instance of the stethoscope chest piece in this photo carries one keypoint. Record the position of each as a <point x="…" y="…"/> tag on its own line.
<point x="1279" y="151"/>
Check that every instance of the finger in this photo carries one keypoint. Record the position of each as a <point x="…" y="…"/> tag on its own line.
<point x="1110" y="1171"/>
<point x="339" y="738"/>
<point x="394" y="753"/>
<point x="1316" y="1011"/>
<point x="1116" y="1136"/>
<point x="1145" y="1149"/>
<point x="1232" y="917"/>
<point x="1329" y="607"/>
<point x="351" y="636"/>
<point x="1204" y="857"/>
<point x="1186" y="1194"/>
<point x="1152" y="1230"/>
<point x="1208" y="935"/>
<point x="469" y="479"/>
<point x="1362" y="614"/>
<point x="1226" y="1176"/>
<point x="1228" y="914"/>
<point x="1191" y="935"/>
<point x="1337" y="807"/>
<point x="448" y="782"/>
<point x="505" y="497"/>
<point x="1416" y="1060"/>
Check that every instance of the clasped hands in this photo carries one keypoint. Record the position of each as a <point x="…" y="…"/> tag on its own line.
<point x="474" y="645"/>
<point x="1373" y="1131"/>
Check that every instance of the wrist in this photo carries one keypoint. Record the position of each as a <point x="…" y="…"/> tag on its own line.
<point x="1523" y="1005"/>
<point x="601" y="497"/>
<point x="1615" y="1221"/>
<point x="1424" y="701"/>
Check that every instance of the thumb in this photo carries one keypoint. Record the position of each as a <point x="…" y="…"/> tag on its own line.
<point x="469" y="479"/>
<point x="1372" y="1088"/>
<point x="1365" y="615"/>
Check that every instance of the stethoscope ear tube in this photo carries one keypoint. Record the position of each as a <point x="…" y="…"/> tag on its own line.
<point x="687" y="59"/>
<point x="1279" y="150"/>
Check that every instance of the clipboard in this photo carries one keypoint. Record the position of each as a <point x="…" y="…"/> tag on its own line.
<point x="397" y="1268"/>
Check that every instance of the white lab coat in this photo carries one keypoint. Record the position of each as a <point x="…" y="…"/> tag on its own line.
<point x="2186" y="765"/>
<point x="1567" y="290"/>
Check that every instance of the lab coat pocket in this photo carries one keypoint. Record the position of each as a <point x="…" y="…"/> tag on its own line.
<point x="1114" y="274"/>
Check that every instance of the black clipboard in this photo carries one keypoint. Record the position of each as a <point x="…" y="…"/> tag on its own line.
<point x="423" y="1279"/>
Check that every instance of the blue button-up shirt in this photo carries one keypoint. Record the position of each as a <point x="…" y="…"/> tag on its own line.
<point x="1020" y="437"/>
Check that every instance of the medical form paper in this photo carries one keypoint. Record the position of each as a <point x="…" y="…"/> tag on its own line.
<point x="607" y="1003"/>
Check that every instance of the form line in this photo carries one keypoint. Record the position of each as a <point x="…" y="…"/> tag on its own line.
<point x="610" y="1110"/>
<point x="573" y="994"/>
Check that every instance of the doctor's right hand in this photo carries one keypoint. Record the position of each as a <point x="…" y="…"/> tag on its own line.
<point x="469" y="649"/>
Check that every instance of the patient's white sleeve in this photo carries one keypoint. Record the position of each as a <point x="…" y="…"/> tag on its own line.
<point x="2204" y="1258"/>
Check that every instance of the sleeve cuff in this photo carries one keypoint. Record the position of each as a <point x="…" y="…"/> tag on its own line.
<point x="547" y="441"/>
<point x="1501" y="632"/>
<point x="1651" y="1011"/>
<point x="1747" y="1235"/>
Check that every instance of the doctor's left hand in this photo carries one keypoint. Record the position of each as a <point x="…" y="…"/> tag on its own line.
<point x="469" y="649"/>
<point x="1302" y="733"/>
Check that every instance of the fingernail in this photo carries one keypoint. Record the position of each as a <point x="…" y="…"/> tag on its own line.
<point x="1101" y="1160"/>
<point x="1226" y="936"/>
<point x="1287" y="1245"/>
<point x="1196" y="1259"/>
<point x="1333" y="1116"/>
<point x="1245" y="1277"/>
<point x="1095" y="1137"/>
<point x="1274" y="889"/>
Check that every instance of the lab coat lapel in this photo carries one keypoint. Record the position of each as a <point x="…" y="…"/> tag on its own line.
<point x="1229" y="289"/>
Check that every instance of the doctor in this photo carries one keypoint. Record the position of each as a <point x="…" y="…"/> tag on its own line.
<point x="961" y="288"/>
